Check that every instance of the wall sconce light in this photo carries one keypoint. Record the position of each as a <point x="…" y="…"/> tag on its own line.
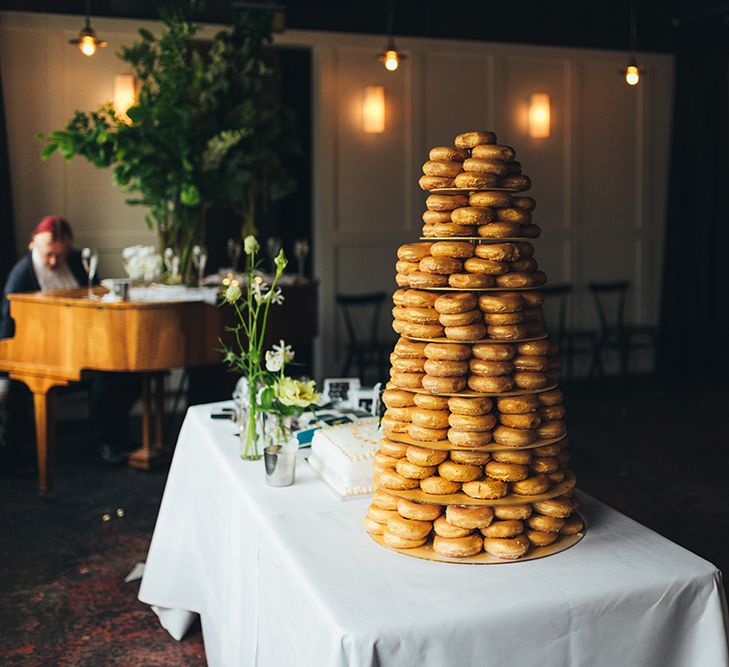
<point x="373" y="110"/>
<point x="125" y="95"/>
<point x="539" y="116"/>
<point x="87" y="41"/>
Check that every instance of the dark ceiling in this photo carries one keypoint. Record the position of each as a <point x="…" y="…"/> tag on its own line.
<point x="587" y="24"/>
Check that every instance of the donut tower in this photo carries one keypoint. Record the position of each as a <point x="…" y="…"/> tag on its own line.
<point x="474" y="463"/>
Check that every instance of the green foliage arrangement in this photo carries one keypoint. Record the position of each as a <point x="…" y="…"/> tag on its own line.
<point x="205" y="130"/>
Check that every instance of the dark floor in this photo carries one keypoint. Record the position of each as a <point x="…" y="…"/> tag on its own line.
<point x="656" y="453"/>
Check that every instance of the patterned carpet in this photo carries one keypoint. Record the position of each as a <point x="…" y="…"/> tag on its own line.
<point x="655" y="453"/>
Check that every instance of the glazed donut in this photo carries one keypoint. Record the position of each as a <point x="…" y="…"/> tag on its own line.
<point x="410" y="529"/>
<point x="372" y="527"/>
<point x="485" y="166"/>
<point x="447" y="351"/>
<point x="551" y="397"/>
<point x="441" y="265"/>
<point x="548" y="450"/>
<point x="398" y="297"/>
<point x="415" y="315"/>
<point x="557" y="477"/>
<point x="379" y="514"/>
<point x="529" y="380"/>
<point x="433" y="217"/>
<point x="513" y="437"/>
<point x="459" y="472"/>
<point x="559" y="508"/>
<point x="503" y="529"/>
<point x="407" y="365"/>
<point x="469" y="439"/>
<point x="490" y="385"/>
<point x="533" y="364"/>
<point x="423" y="279"/>
<point x="522" y="201"/>
<point x="552" y="412"/>
<point x="519" y="215"/>
<point x="438" y="486"/>
<point x="428" y="183"/>
<point x="540" y="539"/>
<point x="500" y="319"/>
<point x="413" y="252"/>
<point x="526" y="249"/>
<point x="472" y="215"/>
<point x="413" y="298"/>
<point x="448" y="168"/>
<point x="530" y="231"/>
<point x="531" y="486"/>
<point x="506" y="549"/>
<point x="514" y="279"/>
<point x="529" y="420"/>
<point x="494" y="152"/>
<point x="402" y="280"/>
<point x="407" y="380"/>
<point x="443" y="153"/>
<point x="490" y="368"/>
<point x="418" y="511"/>
<point x="385" y="501"/>
<point x="499" y="230"/>
<point x="424" y="434"/>
<point x="485" y="489"/>
<point x="437" y="385"/>
<point x="505" y="331"/>
<point x="445" y="202"/>
<point x="392" y="448"/>
<point x="397" y="542"/>
<point x="444" y="529"/>
<point x="443" y="368"/>
<point x="518" y="404"/>
<point x="412" y="471"/>
<point x="490" y="199"/>
<point x="471" y="458"/>
<point x="460" y="319"/>
<point x="519" y="456"/>
<point x="397" y="398"/>
<point x="519" y="182"/>
<point x="391" y="479"/>
<point x="390" y="425"/>
<point x="512" y="512"/>
<point x="431" y="402"/>
<point x="406" y="268"/>
<point x="475" y="423"/>
<point x="469" y="406"/>
<point x="458" y="302"/>
<point x="429" y="418"/>
<point x="475" y="180"/>
<point x="399" y="414"/>
<point x="492" y="351"/>
<point x="466" y="332"/>
<point x="469" y="516"/>
<point x="485" y="266"/>
<point x="414" y="330"/>
<point x="506" y="302"/>
<point x="552" y="429"/>
<point x="380" y="461"/>
<point x="457" y="547"/>
<point x="500" y="252"/>
<point x="452" y="249"/>
<point x="405" y="348"/>
<point x="471" y="139"/>
<point x="421" y="456"/>
<point x="525" y="265"/>
<point x="470" y="280"/>
<point x="573" y="525"/>
<point x="450" y="229"/>
<point x="506" y="472"/>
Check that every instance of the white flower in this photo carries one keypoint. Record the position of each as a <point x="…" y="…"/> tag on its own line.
<point x="274" y="361"/>
<point x="232" y="294"/>
<point x="141" y="262"/>
<point x="286" y="352"/>
<point x="250" y="245"/>
<point x="259" y="290"/>
<point x="276" y="297"/>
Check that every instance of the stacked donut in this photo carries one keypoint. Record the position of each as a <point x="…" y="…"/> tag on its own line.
<point x="468" y="265"/>
<point x="506" y="532"/>
<point x="480" y="368"/>
<point x="475" y="457"/>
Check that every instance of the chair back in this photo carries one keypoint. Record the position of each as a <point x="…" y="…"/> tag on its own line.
<point x="361" y="314"/>
<point x="556" y="297"/>
<point x="609" y="298"/>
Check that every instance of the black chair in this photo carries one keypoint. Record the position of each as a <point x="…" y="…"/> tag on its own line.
<point x="361" y="314"/>
<point x="571" y="341"/>
<point x="609" y="298"/>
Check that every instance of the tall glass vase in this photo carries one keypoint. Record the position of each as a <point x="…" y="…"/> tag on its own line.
<point x="250" y="422"/>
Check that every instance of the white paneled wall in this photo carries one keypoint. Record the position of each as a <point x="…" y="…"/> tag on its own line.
<point x="599" y="179"/>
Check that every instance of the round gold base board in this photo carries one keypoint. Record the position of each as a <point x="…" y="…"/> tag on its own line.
<point x="515" y="341"/>
<point x="446" y="445"/>
<point x="426" y="552"/>
<point x="418" y="496"/>
<point x="476" y="394"/>
<point x="477" y="289"/>
<point x="464" y="191"/>
<point x="482" y="239"/>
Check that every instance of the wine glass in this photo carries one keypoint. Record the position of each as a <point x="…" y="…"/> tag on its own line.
<point x="90" y="259"/>
<point x="301" y="250"/>
<point x="234" y="248"/>
<point x="199" y="260"/>
<point x="273" y="244"/>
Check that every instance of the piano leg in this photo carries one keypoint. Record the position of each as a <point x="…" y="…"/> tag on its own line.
<point x="152" y="453"/>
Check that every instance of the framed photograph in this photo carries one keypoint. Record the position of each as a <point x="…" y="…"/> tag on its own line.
<point x="341" y="392"/>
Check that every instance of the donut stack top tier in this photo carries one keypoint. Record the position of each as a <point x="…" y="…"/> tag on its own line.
<point x="474" y="417"/>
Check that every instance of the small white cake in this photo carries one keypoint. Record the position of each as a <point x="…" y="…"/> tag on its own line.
<point x="343" y="456"/>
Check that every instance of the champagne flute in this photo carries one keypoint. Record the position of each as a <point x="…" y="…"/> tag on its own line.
<point x="234" y="248"/>
<point x="301" y="250"/>
<point x="199" y="259"/>
<point x="90" y="259"/>
<point x="273" y="245"/>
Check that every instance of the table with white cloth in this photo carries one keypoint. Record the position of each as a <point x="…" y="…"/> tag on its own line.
<point x="288" y="576"/>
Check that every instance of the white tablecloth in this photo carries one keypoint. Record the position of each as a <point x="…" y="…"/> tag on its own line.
<point x="287" y="576"/>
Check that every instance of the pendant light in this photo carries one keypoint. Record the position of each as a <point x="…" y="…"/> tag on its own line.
<point x="632" y="69"/>
<point x="87" y="41"/>
<point x="391" y="57"/>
